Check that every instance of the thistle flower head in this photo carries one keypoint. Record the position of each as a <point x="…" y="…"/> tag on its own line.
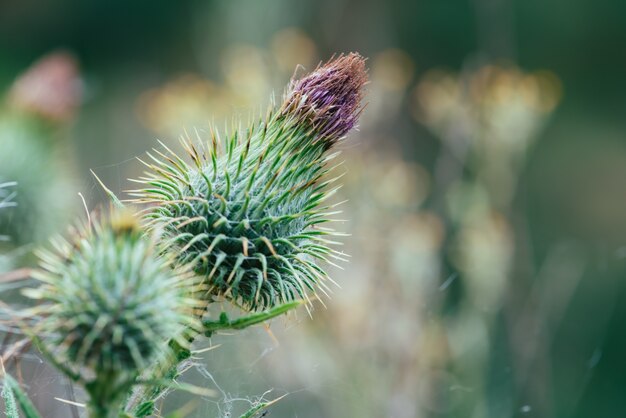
<point x="329" y="99"/>
<point x="249" y="213"/>
<point x="50" y="88"/>
<point x="110" y="302"/>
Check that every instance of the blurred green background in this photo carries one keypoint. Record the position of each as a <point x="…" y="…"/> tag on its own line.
<point x="486" y="188"/>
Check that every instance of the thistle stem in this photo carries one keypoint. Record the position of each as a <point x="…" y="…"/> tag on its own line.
<point x="105" y="395"/>
<point x="96" y="411"/>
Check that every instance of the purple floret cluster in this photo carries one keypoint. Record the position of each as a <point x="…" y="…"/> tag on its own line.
<point x="329" y="98"/>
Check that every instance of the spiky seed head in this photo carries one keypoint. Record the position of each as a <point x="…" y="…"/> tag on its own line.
<point x="329" y="99"/>
<point x="249" y="214"/>
<point x="110" y="302"/>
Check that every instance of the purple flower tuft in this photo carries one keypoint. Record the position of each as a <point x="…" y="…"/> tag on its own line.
<point x="50" y="88"/>
<point x="329" y="99"/>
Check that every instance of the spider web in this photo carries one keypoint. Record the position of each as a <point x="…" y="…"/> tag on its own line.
<point x="233" y="366"/>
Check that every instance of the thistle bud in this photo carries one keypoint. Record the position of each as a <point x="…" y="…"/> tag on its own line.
<point x="249" y="214"/>
<point x="110" y="302"/>
<point x="50" y="88"/>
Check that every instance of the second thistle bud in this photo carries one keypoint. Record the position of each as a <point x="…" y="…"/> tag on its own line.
<point x="110" y="303"/>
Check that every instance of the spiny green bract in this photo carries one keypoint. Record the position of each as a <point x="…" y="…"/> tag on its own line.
<point x="249" y="218"/>
<point x="6" y="199"/>
<point x="110" y="302"/>
<point x="5" y="202"/>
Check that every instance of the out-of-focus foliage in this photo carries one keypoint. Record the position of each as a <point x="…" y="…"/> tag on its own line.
<point x="248" y="76"/>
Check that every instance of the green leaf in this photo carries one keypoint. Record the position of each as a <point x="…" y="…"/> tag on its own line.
<point x="10" y="407"/>
<point x="246" y="321"/>
<point x="260" y="408"/>
<point x="195" y="390"/>
<point x="14" y="392"/>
